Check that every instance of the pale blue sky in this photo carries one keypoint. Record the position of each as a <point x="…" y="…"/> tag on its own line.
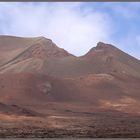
<point x="75" y="26"/>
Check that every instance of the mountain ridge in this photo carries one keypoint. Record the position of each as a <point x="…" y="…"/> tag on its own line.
<point x="36" y="72"/>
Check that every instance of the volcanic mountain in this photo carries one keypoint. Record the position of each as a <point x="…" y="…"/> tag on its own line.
<point x="36" y="74"/>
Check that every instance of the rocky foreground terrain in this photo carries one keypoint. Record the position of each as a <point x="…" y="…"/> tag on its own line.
<point x="47" y="92"/>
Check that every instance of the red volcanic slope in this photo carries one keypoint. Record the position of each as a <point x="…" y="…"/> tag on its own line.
<point x="35" y="72"/>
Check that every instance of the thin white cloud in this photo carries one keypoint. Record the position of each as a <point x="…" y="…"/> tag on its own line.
<point x="66" y="24"/>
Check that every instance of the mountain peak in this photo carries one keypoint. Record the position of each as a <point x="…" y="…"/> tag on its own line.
<point x="43" y="38"/>
<point x="101" y="45"/>
<point x="101" y="49"/>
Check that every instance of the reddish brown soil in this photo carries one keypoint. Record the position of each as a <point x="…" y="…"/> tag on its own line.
<point x="61" y="95"/>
